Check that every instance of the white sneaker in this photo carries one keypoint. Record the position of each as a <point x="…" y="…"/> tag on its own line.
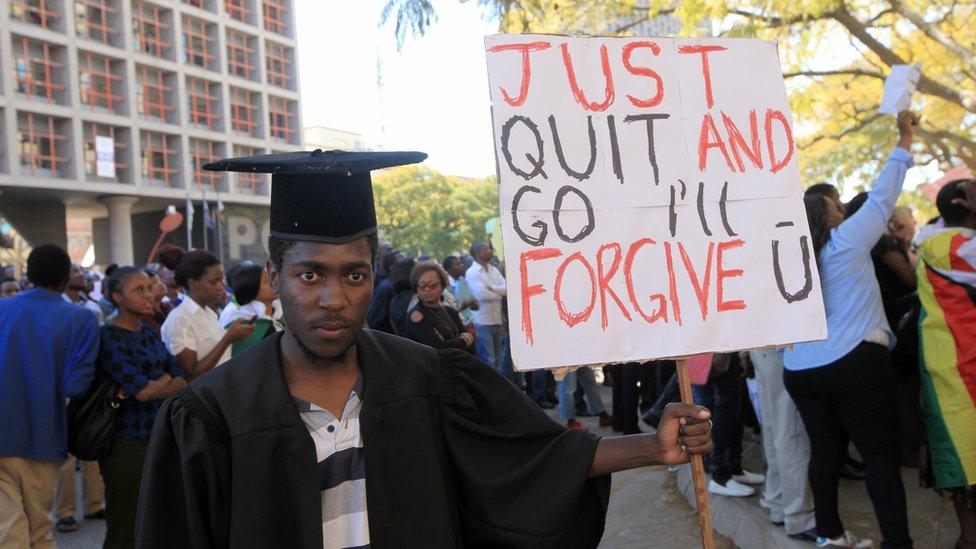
<point x="731" y="488"/>
<point x="848" y="540"/>
<point x="748" y="477"/>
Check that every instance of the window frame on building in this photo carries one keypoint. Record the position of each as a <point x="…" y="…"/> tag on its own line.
<point x="196" y="30"/>
<point x="40" y="13"/>
<point x="155" y="45"/>
<point x="200" y="156"/>
<point x="146" y="106"/>
<point x="88" y="150"/>
<point x="85" y="60"/>
<point x="104" y="25"/>
<point x="25" y="82"/>
<point x="275" y="130"/>
<point x="277" y="64"/>
<point x="39" y="138"/>
<point x="275" y="16"/>
<point x="170" y="166"/>
<point x="240" y="43"/>
<point x="203" y="106"/>
<point x="244" y="116"/>
<point x="238" y="10"/>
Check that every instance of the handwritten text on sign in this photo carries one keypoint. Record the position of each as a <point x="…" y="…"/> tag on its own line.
<point x="650" y="197"/>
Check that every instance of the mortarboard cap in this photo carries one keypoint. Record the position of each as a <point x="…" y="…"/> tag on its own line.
<point x="320" y="196"/>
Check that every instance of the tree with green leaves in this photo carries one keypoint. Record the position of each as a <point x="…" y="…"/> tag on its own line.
<point x="423" y="212"/>
<point x="835" y="56"/>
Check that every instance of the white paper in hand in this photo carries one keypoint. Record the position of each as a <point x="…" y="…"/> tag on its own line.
<point x="899" y="87"/>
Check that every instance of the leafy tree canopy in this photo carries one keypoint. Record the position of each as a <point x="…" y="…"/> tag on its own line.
<point x="423" y="212"/>
<point x="835" y="55"/>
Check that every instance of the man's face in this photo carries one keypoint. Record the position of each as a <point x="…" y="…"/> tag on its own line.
<point x="76" y="278"/>
<point x="456" y="269"/>
<point x="325" y="290"/>
<point x="482" y="253"/>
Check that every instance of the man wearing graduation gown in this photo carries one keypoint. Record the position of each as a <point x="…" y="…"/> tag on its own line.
<point x="444" y="451"/>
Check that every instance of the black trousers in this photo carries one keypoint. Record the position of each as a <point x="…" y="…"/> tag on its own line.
<point x="625" y="397"/>
<point x="859" y="394"/>
<point x="121" y="473"/>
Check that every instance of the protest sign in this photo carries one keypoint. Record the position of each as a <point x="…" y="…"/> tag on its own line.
<point x="650" y="197"/>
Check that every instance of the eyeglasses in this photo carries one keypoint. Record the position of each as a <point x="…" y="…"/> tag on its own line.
<point x="431" y="286"/>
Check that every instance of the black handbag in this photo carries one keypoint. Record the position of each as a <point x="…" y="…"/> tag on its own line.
<point x="91" y="420"/>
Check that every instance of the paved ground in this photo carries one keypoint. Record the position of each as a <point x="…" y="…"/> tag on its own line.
<point x="649" y="508"/>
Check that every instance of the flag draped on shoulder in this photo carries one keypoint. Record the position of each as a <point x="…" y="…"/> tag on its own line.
<point x="947" y="291"/>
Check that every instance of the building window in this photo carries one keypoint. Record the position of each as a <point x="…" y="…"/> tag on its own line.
<point x="39" y="12"/>
<point x="43" y="149"/>
<point x="93" y="130"/>
<point x="249" y="183"/>
<point x="197" y="43"/>
<point x="159" y="159"/>
<point x="201" y="152"/>
<point x="239" y="52"/>
<point x="203" y="99"/>
<point x="202" y="4"/>
<point x="152" y="92"/>
<point x="150" y="29"/>
<point x="275" y="15"/>
<point x="278" y="65"/>
<point x="237" y="9"/>
<point x="97" y="82"/>
<point x="93" y="20"/>
<point x="36" y="70"/>
<point x="279" y="119"/>
<point x="244" y="111"/>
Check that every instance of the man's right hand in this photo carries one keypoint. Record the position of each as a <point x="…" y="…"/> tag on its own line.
<point x="239" y="331"/>
<point x="907" y="124"/>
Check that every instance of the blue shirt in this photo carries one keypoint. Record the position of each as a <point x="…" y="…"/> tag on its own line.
<point x="133" y="359"/>
<point x="47" y="354"/>
<point x="851" y="296"/>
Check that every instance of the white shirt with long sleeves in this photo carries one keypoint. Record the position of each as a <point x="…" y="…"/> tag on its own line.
<point x="488" y="286"/>
<point x="190" y="326"/>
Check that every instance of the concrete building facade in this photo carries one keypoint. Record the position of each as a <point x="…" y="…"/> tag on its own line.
<point x="108" y="108"/>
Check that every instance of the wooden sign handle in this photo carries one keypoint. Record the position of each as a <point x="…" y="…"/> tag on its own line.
<point x="697" y="467"/>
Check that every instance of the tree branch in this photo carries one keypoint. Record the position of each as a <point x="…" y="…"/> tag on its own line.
<point x="925" y="84"/>
<point x="775" y="21"/>
<point x="853" y="129"/>
<point x="934" y="32"/>
<point x="842" y="72"/>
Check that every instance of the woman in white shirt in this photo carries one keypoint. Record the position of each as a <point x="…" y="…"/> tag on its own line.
<point x="257" y="304"/>
<point x="192" y="332"/>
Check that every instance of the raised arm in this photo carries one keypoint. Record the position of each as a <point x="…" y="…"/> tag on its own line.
<point x="863" y="229"/>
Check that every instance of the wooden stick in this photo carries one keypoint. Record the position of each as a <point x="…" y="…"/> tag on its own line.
<point x="697" y="467"/>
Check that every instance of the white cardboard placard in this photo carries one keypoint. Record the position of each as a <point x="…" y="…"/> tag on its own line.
<point x="104" y="157"/>
<point x="650" y="196"/>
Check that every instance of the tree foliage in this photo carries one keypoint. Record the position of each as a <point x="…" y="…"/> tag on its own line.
<point x="423" y="212"/>
<point x="835" y="55"/>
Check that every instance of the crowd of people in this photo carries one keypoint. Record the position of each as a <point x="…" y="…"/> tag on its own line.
<point x="896" y="376"/>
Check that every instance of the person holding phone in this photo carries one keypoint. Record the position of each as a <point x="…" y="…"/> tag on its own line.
<point x="257" y="305"/>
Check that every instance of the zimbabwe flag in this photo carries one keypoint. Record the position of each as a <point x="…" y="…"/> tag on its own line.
<point x="947" y="329"/>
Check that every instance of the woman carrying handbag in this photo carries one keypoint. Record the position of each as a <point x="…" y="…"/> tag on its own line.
<point x="134" y="357"/>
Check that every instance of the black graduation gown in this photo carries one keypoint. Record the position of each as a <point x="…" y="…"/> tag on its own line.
<point x="455" y="456"/>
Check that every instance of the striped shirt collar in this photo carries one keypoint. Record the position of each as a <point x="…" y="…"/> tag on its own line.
<point x="355" y="394"/>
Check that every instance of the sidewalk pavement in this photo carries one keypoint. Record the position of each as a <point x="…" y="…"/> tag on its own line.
<point x="932" y="521"/>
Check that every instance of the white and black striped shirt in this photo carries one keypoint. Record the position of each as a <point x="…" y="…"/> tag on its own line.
<point x="342" y="471"/>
